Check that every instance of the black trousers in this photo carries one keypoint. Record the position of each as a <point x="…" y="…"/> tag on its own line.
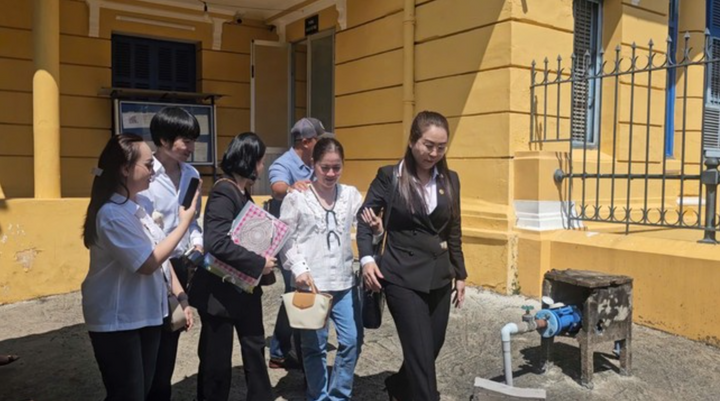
<point x="127" y="361"/>
<point x="215" y="352"/>
<point x="421" y="320"/>
<point x="161" y="389"/>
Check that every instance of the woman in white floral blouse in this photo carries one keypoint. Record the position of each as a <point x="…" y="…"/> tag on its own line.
<point x="319" y="254"/>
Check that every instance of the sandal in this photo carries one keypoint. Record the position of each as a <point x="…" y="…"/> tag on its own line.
<point x="8" y="359"/>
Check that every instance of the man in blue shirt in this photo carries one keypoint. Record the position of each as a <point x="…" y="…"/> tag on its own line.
<point x="291" y="171"/>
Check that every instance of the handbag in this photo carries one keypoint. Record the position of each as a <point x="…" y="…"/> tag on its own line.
<point x="175" y="319"/>
<point x="307" y="310"/>
<point x="373" y="303"/>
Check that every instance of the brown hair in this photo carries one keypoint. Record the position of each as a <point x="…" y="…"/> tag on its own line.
<point x="409" y="186"/>
<point x="120" y="151"/>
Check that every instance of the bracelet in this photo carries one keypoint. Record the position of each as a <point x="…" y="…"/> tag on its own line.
<point x="182" y="297"/>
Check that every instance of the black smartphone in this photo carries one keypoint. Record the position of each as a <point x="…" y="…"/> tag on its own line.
<point x="191" y="191"/>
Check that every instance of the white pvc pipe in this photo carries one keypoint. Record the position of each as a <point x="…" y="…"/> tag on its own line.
<point x="507" y="330"/>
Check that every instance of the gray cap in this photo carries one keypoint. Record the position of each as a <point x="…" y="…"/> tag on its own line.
<point x="309" y="127"/>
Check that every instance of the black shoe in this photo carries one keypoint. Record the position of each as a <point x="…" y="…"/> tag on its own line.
<point x="288" y="363"/>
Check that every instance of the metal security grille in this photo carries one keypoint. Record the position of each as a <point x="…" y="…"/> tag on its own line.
<point x="585" y="13"/>
<point x="636" y="184"/>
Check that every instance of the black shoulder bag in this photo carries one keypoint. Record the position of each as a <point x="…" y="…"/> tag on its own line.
<point x="373" y="303"/>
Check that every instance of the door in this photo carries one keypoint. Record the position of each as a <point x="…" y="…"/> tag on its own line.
<point x="270" y="104"/>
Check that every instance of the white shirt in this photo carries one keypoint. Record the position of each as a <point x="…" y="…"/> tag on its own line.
<point x="320" y="243"/>
<point x="162" y="197"/>
<point x="429" y="197"/>
<point x="115" y="296"/>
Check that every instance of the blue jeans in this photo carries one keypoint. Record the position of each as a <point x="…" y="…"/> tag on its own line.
<point x="281" y="341"/>
<point x="347" y="318"/>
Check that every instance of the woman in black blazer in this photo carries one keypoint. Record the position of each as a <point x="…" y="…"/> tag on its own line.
<point x="222" y="307"/>
<point x="423" y="253"/>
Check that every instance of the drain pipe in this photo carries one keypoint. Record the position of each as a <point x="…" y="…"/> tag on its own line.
<point x="507" y="331"/>
<point x="408" y="66"/>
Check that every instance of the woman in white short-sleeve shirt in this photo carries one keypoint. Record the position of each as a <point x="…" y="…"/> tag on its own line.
<point x="124" y="296"/>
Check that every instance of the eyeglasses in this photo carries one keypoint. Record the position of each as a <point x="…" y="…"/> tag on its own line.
<point x="326" y="169"/>
<point x="150" y="166"/>
<point x="442" y="148"/>
<point x="331" y="231"/>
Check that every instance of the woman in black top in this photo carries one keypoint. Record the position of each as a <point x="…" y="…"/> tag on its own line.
<point x="222" y="307"/>
<point x="423" y="252"/>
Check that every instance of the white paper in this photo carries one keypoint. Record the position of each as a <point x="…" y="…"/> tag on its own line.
<point x="133" y="120"/>
<point x="204" y="124"/>
<point x="201" y="152"/>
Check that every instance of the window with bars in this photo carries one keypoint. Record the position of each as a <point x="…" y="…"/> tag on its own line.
<point x="711" y="116"/>
<point x="585" y="92"/>
<point x="143" y="63"/>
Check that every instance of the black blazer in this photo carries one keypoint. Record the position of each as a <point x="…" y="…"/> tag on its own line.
<point x="413" y="256"/>
<point x="208" y="293"/>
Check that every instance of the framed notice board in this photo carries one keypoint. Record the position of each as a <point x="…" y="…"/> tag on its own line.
<point x="134" y="117"/>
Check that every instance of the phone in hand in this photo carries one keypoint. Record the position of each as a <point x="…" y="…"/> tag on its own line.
<point x="191" y="192"/>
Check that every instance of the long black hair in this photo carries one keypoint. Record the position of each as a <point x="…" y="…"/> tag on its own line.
<point x="409" y="187"/>
<point x="242" y="155"/>
<point x="120" y="151"/>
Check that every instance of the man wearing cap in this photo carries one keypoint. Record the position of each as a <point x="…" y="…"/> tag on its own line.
<point x="291" y="171"/>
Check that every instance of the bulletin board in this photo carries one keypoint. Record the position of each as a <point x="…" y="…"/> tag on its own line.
<point x="134" y="117"/>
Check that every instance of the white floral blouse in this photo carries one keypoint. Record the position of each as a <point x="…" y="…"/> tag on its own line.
<point x="320" y="240"/>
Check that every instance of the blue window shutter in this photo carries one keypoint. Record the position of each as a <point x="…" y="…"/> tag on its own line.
<point x="153" y="64"/>
<point x="711" y="117"/>
<point x="713" y="17"/>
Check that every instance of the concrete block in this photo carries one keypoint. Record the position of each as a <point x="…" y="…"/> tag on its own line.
<point x="488" y="390"/>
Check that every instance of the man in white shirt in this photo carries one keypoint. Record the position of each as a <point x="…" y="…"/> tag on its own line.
<point x="174" y="132"/>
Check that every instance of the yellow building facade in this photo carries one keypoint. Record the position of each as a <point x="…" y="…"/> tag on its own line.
<point x="470" y="60"/>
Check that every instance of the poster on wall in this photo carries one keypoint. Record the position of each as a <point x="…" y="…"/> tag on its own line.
<point x="134" y="117"/>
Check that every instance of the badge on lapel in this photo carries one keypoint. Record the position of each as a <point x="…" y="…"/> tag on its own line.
<point x="441" y="191"/>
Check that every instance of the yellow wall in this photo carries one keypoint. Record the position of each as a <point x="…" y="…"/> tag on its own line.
<point x="41" y="251"/>
<point x="86" y="67"/>
<point x="675" y="281"/>
<point x="472" y="63"/>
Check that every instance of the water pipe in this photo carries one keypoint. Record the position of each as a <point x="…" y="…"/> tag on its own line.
<point x="508" y="330"/>
<point x="548" y="322"/>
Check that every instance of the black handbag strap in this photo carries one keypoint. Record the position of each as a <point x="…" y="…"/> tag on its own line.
<point x="388" y="208"/>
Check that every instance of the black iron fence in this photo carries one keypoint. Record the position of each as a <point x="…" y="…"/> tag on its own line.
<point x="639" y="128"/>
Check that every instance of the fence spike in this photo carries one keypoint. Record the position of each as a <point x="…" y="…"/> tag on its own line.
<point x="559" y="68"/>
<point x="586" y="62"/>
<point x="669" y="57"/>
<point x="706" y="45"/>
<point x="686" y="47"/>
<point x="617" y="59"/>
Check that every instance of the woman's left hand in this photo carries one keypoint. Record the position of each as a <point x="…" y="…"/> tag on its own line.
<point x="373" y="220"/>
<point x="189" y="317"/>
<point x="459" y="298"/>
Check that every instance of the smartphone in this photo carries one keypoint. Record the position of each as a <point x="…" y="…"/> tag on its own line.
<point x="191" y="192"/>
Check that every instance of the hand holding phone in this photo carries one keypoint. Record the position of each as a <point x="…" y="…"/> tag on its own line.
<point x="191" y="192"/>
